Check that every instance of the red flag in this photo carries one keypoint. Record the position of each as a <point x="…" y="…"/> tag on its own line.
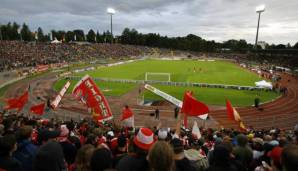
<point x="126" y="113"/>
<point x="88" y="93"/>
<point x="11" y="103"/>
<point x="18" y="103"/>
<point x="38" y="109"/>
<point x="192" y="106"/>
<point x="234" y="115"/>
<point x="127" y="117"/>
<point x="230" y="110"/>
<point x="23" y="100"/>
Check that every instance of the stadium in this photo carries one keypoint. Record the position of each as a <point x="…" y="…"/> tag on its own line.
<point x="142" y="101"/>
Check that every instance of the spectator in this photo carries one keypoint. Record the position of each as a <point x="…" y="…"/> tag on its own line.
<point x="1" y="130"/>
<point x="83" y="158"/>
<point x="101" y="160"/>
<point x="161" y="157"/>
<point x="137" y="160"/>
<point x="275" y="156"/>
<point x="222" y="160"/>
<point x="121" y="149"/>
<point x="242" y="151"/>
<point x="289" y="158"/>
<point x="8" y="145"/>
<point x="26" y="149"/>
<point x="181" y="162"/>
<point x="258" y="148"/>
<point x="197" y="160"/>
<point x="50" y="158"/>
<point x="69" y="149"/>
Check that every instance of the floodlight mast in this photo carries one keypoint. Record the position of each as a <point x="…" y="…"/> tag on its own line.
<point x="111" y="11"/>
<point x="259" y="10"/>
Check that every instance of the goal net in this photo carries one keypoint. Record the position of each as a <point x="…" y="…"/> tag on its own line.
<point x="154" y="76"/>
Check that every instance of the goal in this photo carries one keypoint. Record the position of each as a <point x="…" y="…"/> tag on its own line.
<point x="155" y="76"/>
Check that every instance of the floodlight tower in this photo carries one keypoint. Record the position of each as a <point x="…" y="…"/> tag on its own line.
<point x="259" y="10"/>
<point x="111" y="11"/>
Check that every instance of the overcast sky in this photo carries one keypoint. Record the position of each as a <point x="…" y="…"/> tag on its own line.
<point x="218" y="20"/>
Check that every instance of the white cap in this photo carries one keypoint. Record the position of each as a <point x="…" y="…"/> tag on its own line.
<point x="162" y="134"/>
<point x="111" y="133"/>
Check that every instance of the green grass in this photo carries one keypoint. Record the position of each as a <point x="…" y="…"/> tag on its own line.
<point x="107" y="88"/>
<point x="218" y="72"/>
<point x="215" y="96"/>
<point x="158" y="77"/>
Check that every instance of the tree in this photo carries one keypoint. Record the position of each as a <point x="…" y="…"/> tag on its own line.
<point x="40" y="36"/>
<point x="280" y="46"/>
<point x="99" y="38"/>
<point x="125" y="37"/>
<point x="59" y="35"/>
<point x="80" y="36"/>
<point x="107" y="36"/>
<point x="69" y="36"/>
<point x="295" y="46"/>
<point x="14" y="35"/>
<point x="10" y="31"/>
<point x="26" y="34"/>
<point x="91" y="36"/>
<point x="289" y="46"/>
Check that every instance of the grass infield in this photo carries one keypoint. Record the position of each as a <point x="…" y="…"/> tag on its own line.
<point x="216" y="72"/>
<point x="213" y="72"/>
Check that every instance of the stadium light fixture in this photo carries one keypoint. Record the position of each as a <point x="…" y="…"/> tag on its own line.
<point x="259" y="10"/>
<point x="111" y="11"/>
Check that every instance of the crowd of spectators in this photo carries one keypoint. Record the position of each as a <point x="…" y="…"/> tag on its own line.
<point x="16" y="54"/>
<point x="49" y="145"/>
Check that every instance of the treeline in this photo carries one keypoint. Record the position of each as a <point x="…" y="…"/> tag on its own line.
<point x="13" y="31"/>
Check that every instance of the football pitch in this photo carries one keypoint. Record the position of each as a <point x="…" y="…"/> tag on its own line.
<point x="212" y="72"/>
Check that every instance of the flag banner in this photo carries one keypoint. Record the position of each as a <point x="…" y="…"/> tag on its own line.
<point x="164" y="95"/>
<point x="38" y="109"/>
<point x="231" y="111"/>
<point x="170" y="98"/>
<point x="241" y="126"/>
<point x="88" y="93"/>
<point x="17" y="103"/>
<point x="234" y="115"/>
<point x="127" y="117"/>
<point x="192" y="106"/>
<point x="12" y="103"/>
<point x="58" y="98"/>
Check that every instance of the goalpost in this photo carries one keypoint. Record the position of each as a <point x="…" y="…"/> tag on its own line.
<point x="157" y="75"/>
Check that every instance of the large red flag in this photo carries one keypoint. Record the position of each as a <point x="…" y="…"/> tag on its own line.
<point x="88" y="93"/>
<point x="234" y="115"/>
<point x="17" y="103"/>
<point x="192" y="107"/>
<point x="38" y="109"/>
